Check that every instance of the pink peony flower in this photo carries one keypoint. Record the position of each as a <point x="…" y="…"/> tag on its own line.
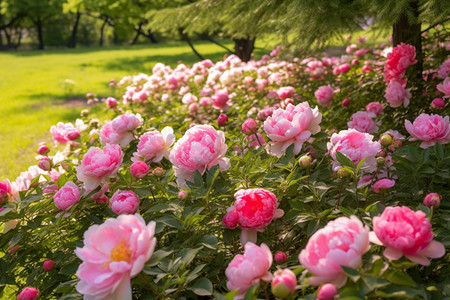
<point x="201" y="148"/>
<point x="383" y="184"/>
<point x="432" y="200"/>
<point x="285" y="92"/>
<point x="28" y="293"/>
<point x="346" y="102"/>
<point x="324" y="95"/>
<point x="67" y="196"/>
<point x="429" y="129"/>
<point x="445" y="87"/>
<point x="284" y="283"/>
<point x="222" y="120"/>
<point x="249" y="269"/>
<point x="293" y="125"/>
<point x="221" y="100"/>
<point x="98" y="165"/>
<point x="444" y="69"/>
<point x="109" y="136"/>
<point x="363" y="122"/>
<point x="327" y="292"/>
<point x="356" y="145"/>
<point x="126" y="122"/>
<point x="139" y="169"/>
<point x="396" y="94"/>
<point x="341" y="242"/>
<point x="64" y="133"/>
<point x="124" y="202"/>
<point x="43" y="150"/>
<point x="113" y="253"/>
<point x="405" y="232"/>
<point x="48" y="265"/>
<point x="375" y="107"/>
<point x="5" y="191"/>
<point x="154" y="145"/>
<point x="398" y="61"/>
<point x="111" y="102"/>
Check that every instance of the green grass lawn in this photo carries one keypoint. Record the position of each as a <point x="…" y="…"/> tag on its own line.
<point x="35" y="93"/>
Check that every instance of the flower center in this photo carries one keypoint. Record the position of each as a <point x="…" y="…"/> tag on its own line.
<point x="121" y="252"/>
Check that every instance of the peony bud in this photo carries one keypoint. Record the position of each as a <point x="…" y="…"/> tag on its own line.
<point x="84" y="113"/>
<point x="346" y="102"/>
<point x="45" y="164"/>
<point x="284" y="283"/>
<point x="386" y="139"/>
<point x="48" y="265"/>
<point x="381" y="153"/>
<point x="432" y="200"/>
<point x="327" y="292"/>
<point x="222" y="120"/>
<point x="342" y="173"/>
<point x="250" y="126"/>
<point x="28" y="293"/>
<point x="158" y="172"/>
<point x="182" y="195"/>
<point x="397" y="144"/>
<point x="381" y="161"/>
<point x="262" y="116"/>
<point x="138" y="169"/>
<point x="93" y="123"/>
<point x="305" y="161"/>
<point x="90" y="96"/>
<point x="43" y="150"/>
<point x="73" y="135"/>
<point x="438" y="103"/>
<point x="280" y="257"/>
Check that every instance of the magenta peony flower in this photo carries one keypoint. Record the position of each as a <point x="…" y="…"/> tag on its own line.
<point x="324" y="95"/>
<point x="201" y="148"/>
<point x="113" y="253"/>
<point x="383" y="184"/>
<point x="398" y="61"/>
<point x="375" y="107"/>
<point x="67" y="196"/>
<point x="327" y="292"/>
<point x="154" y="145"/>
<point x="284" y="283"/>
<point x="429" y="129"/>
<point x="363" y="122"/>
<point x="356" y="145"/>
<point x="5" y="191"/>
<point x="341" y="242"/>
<point x="405" y="232"/>
<point x="124" y="202"/>
<point x="139" y="169"/>
<point x="98" y="165"/>
<point x="253" y="210"/>
<point x="396" y="94"/>
<point x="293" y="125"/>
<point x="28" y="293"/>
<point x="445" y="87"/>
<point x="249" y="269"/>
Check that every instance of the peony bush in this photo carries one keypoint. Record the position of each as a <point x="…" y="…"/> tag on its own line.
<point x="336" y="170"/>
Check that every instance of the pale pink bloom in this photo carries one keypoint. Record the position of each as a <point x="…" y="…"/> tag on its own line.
<point x="113" y="253"/>
<point x="189" y="98"/>
<point x="28" y="293"/>
<point x="396" y="94"/>
<point x="23" y="182"/>
<point x="253" y="210"/>
<point x="375" y="107"/>
<point x="383" y="184"/>
<point x="398" y="61"/>
<point x="444" y="69"/>
<point x="67" y="196"/>
<point x="405" y="232"/>
<point x="285" y="92"/>
<point x="356" y="145"/>
<point x="284" y="283"/>
<point x="63" y="133"/>
<point x="221" y="100"/>
<point x="253" y="142"/>
<point x="127" y="122"/>
<point x="139" y="169"/>
<point x="249" y="269"/>
<point x="351" y="48"/>
<point x="124" y="202"/>
<point x="99" y="165"/>
<point x="109" y="136"/>
<point x="201" y="148"/>
<point x="445" y="87"/>
<point x="324" y="95"/>
<point x="429" y="129"/>
<point x="293" y="125"/>
<point x="154" y="145"/>
<point x="363" y="122"/>
<point x="341" y="242"/>
<point x="327" y="292"/>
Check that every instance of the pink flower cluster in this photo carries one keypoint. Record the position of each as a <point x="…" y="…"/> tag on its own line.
<point x="66" y="133"/>
<point x="120" y="130"/>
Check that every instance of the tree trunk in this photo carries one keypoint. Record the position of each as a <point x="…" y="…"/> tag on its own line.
<point x="244" y="48"/>
<point x="208" y="38"/>
<point x="102" y="32"/>
<point x="409" y="32"/>
<point x="40" y="34"/>
<point x="138" y="33"/>
<point x="151" y="36"/>
<point x="72" y="43"/>
<point x="185" y="37"/>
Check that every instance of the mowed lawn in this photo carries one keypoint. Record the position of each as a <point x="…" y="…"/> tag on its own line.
<point x="41" y="88"/>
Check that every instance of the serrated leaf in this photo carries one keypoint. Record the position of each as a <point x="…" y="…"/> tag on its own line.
<point x="398" y="277"/>
<point x="202" y="287"/>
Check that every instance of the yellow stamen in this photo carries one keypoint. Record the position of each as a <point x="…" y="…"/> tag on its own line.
<point x="121" y="252"/>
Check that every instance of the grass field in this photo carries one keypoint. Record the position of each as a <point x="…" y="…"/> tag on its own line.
<point x="39" y="89"/>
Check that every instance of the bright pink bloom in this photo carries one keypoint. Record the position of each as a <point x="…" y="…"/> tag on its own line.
<point x="445" y="87"/>
<point x="98" y="165"/>
<point x="48" y="265"/>
<point x="154" y="145"/>
<point x="221" y="100"/>
<point x="284" y="283"/>
<point x="285" y="92"/>
<point x="341" y="242"/>
<point x="250" y="126"/>
<point x="139" y="169"/>
<point x="429" y="129"/>
<point x="438" y="103"/>
<point x="327" y="292"/>
<point x="201" y="148"/>
<point x="28" y="293"/>
<point x="249" y="269"/>
<point x="398" y="61"/>
<point x="113" y="253"/>
<point x="5" y="191"/>
<point x="324" y="95"/>
<point x="375" y="107"/>
<point x="363" y="122"/>
<point x="293" y="125"/>
<point x="396" y="94"/>
<point x="67" y="196"/>
<point x="432" y="200"/>
<point x="356" y="145"/>
<point x="383" y="184"/>
<point x="124" y="202"/>
<point x="111" y="102"/>
<point x="405" y="232"/>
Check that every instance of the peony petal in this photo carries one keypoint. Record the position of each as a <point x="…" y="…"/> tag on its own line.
<point x="392" y="253"/>
<point x="434" y="250"/>
<point x="419" y="259"/>
<point x="374" y="238"/>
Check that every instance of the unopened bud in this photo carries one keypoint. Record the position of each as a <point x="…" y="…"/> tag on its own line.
<point x="432" y="200"/>
<point x="280" y="257"/>
<point x="327" y="292"/>
<point x="250" y="126"/>
<point x="73" y="135"/>
<point x="381" y="153"/>
<point x="386" y="139"/>
<point x="182" y="195"/>
<point x="284" y="283"/>
<point x="158" y="172"/>
<point x="305" y="161"/>
<point x="342" y="173"/>
<point x="45" y="164"/>
<point x="43" y="150"/>
<point x="222" y="120"/>
<point x="381" y="161"/>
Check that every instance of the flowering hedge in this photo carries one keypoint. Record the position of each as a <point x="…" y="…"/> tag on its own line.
<point x="284" y="177"/>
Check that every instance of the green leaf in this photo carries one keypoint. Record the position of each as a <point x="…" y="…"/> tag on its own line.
<point x="69" y="269"/>
<point x="187" y="255"/>
<point x="62" y="179"/>
<point x="158" y="255"/>
<point x="198" y="179"/>
<point x="202" y="287"/>
<point x="358" y="167"/>
<point x="439" y="150"/>
<point x="344" y="160"/>
<point x="374" y="282"/>
<point x="351" y="273"/>
<point x="398" y="277"/>
<point x="251" y="293"/>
